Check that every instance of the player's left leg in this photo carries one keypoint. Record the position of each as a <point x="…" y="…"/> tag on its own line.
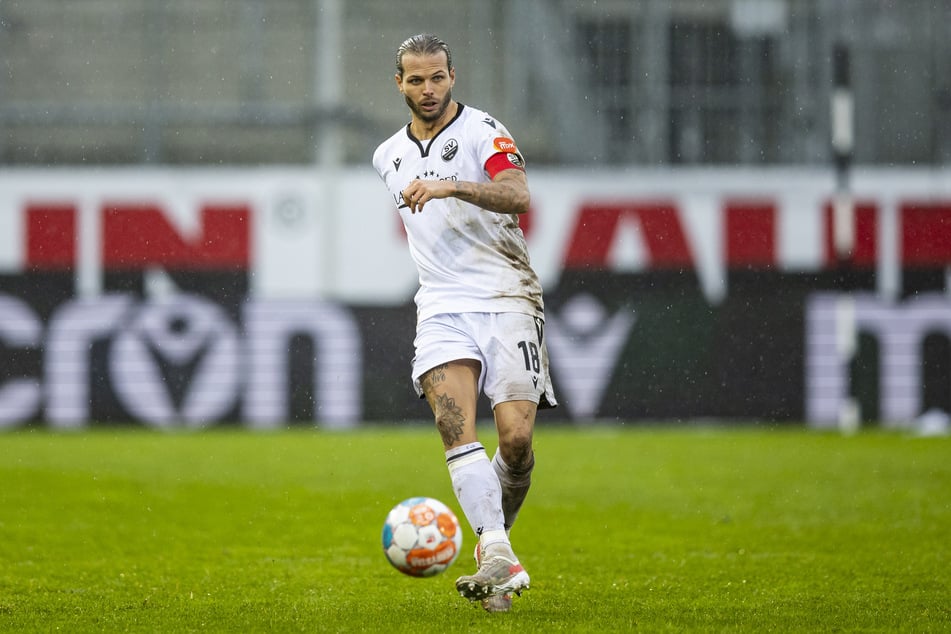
<point x="515" y="380"/>
<point x="515" y="459"/>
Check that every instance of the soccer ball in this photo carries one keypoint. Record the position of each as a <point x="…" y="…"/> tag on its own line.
<point x="421" y="537"/>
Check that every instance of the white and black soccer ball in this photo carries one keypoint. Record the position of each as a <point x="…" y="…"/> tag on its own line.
<point x="421" y="537"/>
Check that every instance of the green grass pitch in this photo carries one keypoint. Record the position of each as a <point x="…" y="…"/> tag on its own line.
<point x="627" y="528"/>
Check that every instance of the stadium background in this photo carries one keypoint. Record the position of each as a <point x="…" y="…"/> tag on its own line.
<point x="190" y="232"/>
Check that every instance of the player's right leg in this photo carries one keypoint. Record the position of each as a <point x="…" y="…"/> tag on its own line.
<point x="452" y="390"/>
<point x="514" y="423"/>
<point x="499" y="580"/>
<point x="499" y="574"/>
<point x="496" y="603"/>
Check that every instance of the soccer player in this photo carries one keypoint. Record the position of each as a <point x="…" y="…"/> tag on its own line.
<point x="458" y="181"/>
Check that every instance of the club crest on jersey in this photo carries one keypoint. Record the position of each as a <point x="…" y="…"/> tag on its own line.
<point x="505" y="144"/>
<point x="449" y="150"/>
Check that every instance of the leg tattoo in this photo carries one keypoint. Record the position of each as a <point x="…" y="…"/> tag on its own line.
<point x="449" y="419"/>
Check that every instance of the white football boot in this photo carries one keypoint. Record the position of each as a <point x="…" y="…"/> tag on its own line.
<point x="499" y="575"/>
<point x="499" y="602"/>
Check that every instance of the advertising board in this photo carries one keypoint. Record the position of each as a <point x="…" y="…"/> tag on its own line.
<point x="254" y="297"/>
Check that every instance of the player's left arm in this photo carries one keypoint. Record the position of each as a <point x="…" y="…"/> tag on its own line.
<point x="506" y="193"/>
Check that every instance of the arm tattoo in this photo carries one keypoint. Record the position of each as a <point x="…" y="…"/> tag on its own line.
<point x="505" y="195"/>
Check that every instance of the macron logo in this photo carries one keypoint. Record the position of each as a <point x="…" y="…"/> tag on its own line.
<point x="396" y="163"/>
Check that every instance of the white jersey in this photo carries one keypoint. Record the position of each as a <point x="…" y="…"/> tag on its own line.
<point x="469" y="259"/>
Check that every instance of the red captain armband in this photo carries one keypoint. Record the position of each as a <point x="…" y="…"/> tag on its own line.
<point x="503" y="161"/>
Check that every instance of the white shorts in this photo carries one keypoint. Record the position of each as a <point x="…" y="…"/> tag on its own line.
<point x="510" y="346"/>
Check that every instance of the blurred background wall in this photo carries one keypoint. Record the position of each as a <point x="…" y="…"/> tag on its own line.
<point x="617" y="82"/>
<point x="741" y="209"/>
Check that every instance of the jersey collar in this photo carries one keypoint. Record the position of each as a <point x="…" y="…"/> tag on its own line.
<point x="424" y="151"/>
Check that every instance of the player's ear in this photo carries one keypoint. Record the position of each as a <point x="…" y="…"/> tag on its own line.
<point x="399" y="82"/>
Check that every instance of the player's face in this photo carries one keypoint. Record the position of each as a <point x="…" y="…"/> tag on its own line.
<point x="427" y="85"/>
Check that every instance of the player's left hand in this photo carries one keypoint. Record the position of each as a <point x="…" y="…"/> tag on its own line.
<point x="420" y="192"/>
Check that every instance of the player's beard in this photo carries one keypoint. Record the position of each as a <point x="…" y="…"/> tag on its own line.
<point x="436" y="115"/>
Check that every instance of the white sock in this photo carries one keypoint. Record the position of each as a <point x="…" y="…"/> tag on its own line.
<point x="515" y="485"/>
<point x="477" y="489"/>
<point x="496" y="543"/>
